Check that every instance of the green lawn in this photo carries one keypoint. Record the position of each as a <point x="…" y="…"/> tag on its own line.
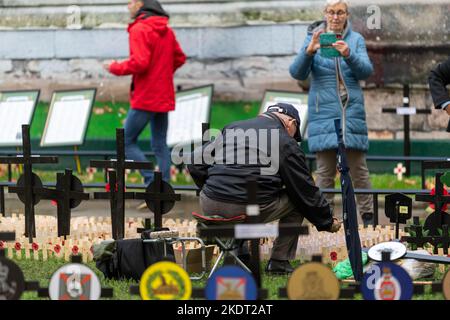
<point x="42" y="272"/>
<point x="379" y="181"/>
<point x="113" y="116"/>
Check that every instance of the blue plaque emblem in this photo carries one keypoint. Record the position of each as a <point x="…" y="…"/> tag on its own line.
<point x="231" y="283"/>
<point x="387" y="281"/>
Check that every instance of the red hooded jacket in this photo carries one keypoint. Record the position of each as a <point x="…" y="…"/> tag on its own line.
<point x="155" y="55"/>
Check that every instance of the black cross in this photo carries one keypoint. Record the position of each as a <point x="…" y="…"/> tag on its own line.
<point x="395" y="206"/>
<point x="117" y="194"/>
<point x="438" y="217"/>
<point x="419" y="239"/>
<point x="406" y="129"/>
<point x="69" y="192"/>
<point x="68" y="195"/>
<point x="30" y="184"/>
<point x="7" y="236"/>
<point x="444" y="239"/>
<point x="160" y="198"/>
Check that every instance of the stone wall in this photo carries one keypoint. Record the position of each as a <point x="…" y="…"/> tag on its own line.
<point x="243" y="47"/>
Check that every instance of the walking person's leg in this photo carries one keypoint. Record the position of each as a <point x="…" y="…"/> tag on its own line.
<point x="159" y="123"/>
<point x="361" y="180"/>
<point x="326" y="173"/>
<point x="134" y="124"/>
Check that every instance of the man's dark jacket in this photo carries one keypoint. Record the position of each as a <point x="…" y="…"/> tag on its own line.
<point x="438" y="80"/>
<point x="227" y="182"/>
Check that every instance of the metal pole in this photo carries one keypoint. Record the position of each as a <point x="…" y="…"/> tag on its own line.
<point x="422" y="173"/>
<point x="375" y="209"/>
<point x="406" y="143"/>
<point x="2" y="201"/>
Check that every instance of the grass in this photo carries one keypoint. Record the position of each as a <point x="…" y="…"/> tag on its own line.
<point x="107" y="116"/>
<point x="34" y="271"/>
<point x="379" y="181"/>
<point x="103" y="126"/>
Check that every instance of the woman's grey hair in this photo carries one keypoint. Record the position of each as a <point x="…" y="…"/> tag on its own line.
<point x="334" y="2"/>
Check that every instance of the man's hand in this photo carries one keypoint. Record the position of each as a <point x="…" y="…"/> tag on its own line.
<point x="335" y="226"/>
<point x="107" y="64"/>
<point x="342" y="47"/>
<point x="314" y="45"/>
<point x="447" y="109"/>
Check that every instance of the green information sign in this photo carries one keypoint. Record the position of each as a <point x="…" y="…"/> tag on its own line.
<point x="193" y="107"/>
<point x="68" y="118"/>
<point x="298" y="100"/>
<point x="16" y="108"/>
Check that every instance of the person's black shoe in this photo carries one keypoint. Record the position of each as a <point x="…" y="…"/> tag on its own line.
<point x="279" y="267"/>
<point x="367" y="219"/>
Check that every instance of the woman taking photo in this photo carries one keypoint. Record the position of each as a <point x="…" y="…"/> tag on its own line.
<point x="336" y="93"/>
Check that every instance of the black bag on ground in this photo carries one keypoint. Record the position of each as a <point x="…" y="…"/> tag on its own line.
<point x="129" y="258"/>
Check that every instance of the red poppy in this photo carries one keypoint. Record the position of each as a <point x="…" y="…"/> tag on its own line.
<point x="333" y="256"/>
<point x="35" y="246"/>
<point x="57" y="248"/>
<point x="75" y="250"/>
<point x="54" y="203"/>
<point x="17" y="246"/>
<point x="433" y="192"/>
<point x="2" y="245"/>
<point x="108" y="187"/>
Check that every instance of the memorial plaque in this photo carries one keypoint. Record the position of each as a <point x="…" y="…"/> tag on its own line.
<point x="298" y="100"/>
<point x="231" y="283"/>
<point x="68" y="118"/>
<point x="313" y="281"/>
<point x="16" y="108"/>
<point x="193" y="107"/>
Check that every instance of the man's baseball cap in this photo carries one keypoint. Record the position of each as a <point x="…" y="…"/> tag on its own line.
<point x="291" y="111"/>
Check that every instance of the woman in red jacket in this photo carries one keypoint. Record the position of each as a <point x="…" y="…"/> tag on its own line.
<point x="155" y="55"/>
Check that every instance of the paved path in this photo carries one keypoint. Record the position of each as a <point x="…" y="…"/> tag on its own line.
<point x="182" y="209"/>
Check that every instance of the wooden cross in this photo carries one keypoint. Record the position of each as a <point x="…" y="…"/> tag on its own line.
<point x="399" y="171"/>
<point x="117" y="194"/>
<point x="439" y="200"/>
<point x="30" y="184"/>
<point x="160" y="198"/>
<point x="68" y="195"/>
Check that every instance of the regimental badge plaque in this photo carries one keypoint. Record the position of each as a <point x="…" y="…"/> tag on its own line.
<point x="387" y="281"/>
<point x="231" y="283"/>
<point x="313" y="281"/>
<point x="12" y="282"/>
<point x="74" y="281"/>
<point x="165" y="281"/>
